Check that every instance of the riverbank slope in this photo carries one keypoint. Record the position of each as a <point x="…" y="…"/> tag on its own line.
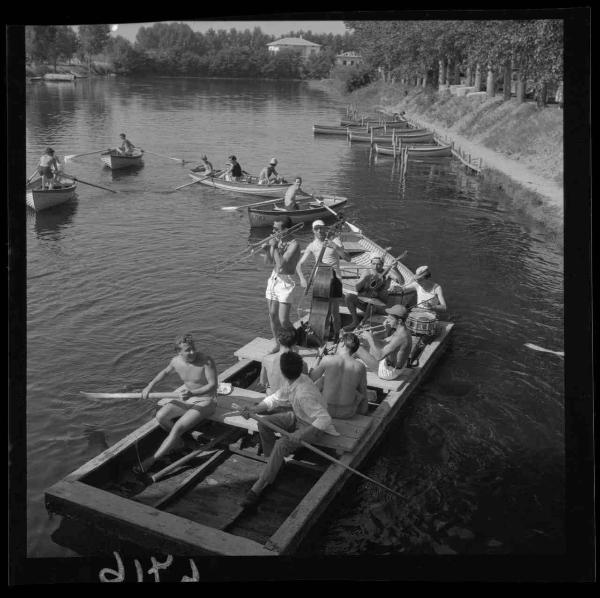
<point x="521" y="145"/>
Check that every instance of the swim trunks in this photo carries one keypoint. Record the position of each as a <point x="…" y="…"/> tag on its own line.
<point x="280" y="287"/>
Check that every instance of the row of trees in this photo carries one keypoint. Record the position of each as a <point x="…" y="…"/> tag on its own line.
<point x="446" y="52"/>
<point x="175" y="48"/>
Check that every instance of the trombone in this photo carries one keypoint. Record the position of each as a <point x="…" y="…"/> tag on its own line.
<point x="255" y="247"/>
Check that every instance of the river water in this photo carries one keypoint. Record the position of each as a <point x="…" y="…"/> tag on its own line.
<point x="112" y="279"/>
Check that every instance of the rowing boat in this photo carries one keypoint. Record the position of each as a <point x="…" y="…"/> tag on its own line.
<point x="425" y="151"/>
<point x="196" y="510"/>
<point x="416" y="136"/>
<point x="335" y="130"/>
<point x="248" y="186"/>
<point x="43" y="199"/>
<point x="310" y="210"/>
<point x="118" y="161"/>
<point x="373" y="121"/>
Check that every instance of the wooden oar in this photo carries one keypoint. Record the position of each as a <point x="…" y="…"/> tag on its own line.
<point x="353" y="228"/>
<point x="212" y="174"/>
<point x="130" y="395"/>
<point x="315" y="450"/>
<point x="538" y="348"/>
<point x="31" y="177"/>
<point x="168" y="157"/>
<point x="71" y="156"/>
<point x="69" y="176"/>
<point x="251" y="205"/>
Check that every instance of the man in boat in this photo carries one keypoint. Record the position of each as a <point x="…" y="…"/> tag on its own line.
<point x="289" y="199"/>
<point x="205" y="167"/>
<point x="389" y="358"/>
<point x="268" y="174"/>
<point x="126" y="148"/>
<point x="234" y="172"/>
<point x="343" y="379"/>
<point x="48" y="168"/>
<point x="374" y="285"/>
<point x="307" y="418"/>
<point x="429" y="297"/>
<point x="284" y="254"/>
<point x="197" y="396"/>
<point x="334" y="251"/>
<point x="270" y="375"/>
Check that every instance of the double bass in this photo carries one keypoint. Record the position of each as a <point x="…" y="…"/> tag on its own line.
<point x="323" y="278"/>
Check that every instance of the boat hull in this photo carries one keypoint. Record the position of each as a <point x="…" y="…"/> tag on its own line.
<point x="426" y="151"/>
<point x="274" y="190"/>
<point x="335" y="130"/>
<point x="412" y="137"/>
<point x="259" y="217"/>
<point x="43" y="199"/>
<point x="118" y="162"/>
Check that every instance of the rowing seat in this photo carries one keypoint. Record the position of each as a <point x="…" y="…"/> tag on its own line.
<point x="350" y="430"/>
<point x="259" y="347"/>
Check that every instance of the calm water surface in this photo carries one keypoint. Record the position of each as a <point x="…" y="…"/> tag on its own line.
<point x="112" y="279"/>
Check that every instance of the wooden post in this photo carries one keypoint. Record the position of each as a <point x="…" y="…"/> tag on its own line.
<point x="490" y="84"/>
<point x="441" y="74"/>
<point x="477" y="83"/>
<point x="394" y="137"/>
<point x="394" y="149"/>
<point x="507" y="80"/>
<point x="371" y="136"/>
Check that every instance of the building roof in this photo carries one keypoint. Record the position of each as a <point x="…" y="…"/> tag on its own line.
<point x="292" y="41"/>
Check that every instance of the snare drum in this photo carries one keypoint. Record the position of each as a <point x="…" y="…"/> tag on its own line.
<point x="422" y="322"/>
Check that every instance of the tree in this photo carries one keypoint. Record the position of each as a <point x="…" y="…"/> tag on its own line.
<point x="93" y="39"/>
<point x="49" y="43"/>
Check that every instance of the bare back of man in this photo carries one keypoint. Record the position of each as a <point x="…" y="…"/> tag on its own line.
<point x="344" y="385"/>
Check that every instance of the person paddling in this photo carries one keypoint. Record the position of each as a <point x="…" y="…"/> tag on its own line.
<point x="48" y="168"/>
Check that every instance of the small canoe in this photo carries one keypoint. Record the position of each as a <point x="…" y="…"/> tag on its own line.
<point x="371" y="121"/>
<point x="248" y="186"/>
<point x="59" y="77"/>
<point x="195" y="511"/>
<point x="335" y="130"/>
<point x="310" y="210"/>
<point x="42" y="199"/>
<point x="418" y="136"/>
<point x="118" y="161"/>
<point x="431" y="151"/>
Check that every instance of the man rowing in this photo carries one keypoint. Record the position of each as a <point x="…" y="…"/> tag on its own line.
<point x="268" y="174"/>
<point x="234" y="172"/>
<point x="197" y="397"/>
<point x="289" y="199"/>
<point x="48" y="168"/>
<point x="283" y="251"/>
<point x="343" y="379"/>
<point x="306" y="417"/>
<point x="126" y="148"/>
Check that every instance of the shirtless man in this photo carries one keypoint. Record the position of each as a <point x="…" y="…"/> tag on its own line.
<point x="126" y="148"/>
<point x="289" y="200"/>
<point x="48" y="168"/>
<point x="284" y="255"/>
<point x="198" y="396"/>
<point x="334" y="251"/>
<point x="270" y="374"/>
<point x="388" y="359"/>
<point x="205" y="167"/>
<point x="268" y="174"/>
<point x="234" y="172"/>
<point x="344" y="379"/>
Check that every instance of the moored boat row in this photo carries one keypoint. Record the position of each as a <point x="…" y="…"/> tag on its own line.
<point x="432" y="151"/>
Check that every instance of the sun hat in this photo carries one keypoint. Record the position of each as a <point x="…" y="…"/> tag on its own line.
<point x="421" y="270"/>
<point x="232" y="158"/>
<point x="273" y="161"/>
<point x="49" y="150"/>
<point x="377" y="258"/>
<point x="318" y="223"/>
<point x="397" y="310"/>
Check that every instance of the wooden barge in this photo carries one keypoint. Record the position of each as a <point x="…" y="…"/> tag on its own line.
<point x="196" y="510"/>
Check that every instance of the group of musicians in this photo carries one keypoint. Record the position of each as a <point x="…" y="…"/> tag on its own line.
<point x="387" y="351"/>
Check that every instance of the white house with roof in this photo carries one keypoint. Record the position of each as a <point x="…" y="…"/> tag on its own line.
<point x="348" y="59"/>
<point x="297" y="44"/>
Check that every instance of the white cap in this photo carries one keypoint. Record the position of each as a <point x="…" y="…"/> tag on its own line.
<point x="273" y="161"/>
<point x="421" y="270"/>
<point x="318" y="223"/>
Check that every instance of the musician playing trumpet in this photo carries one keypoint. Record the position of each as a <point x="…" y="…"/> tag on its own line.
<point x="374" y="284"/>
<point x="283" y="251"/>
<point x="390" y="357"/>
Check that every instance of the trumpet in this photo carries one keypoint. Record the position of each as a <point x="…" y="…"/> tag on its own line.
<point x="359" y="329"/>
<point x="254" y="247"/>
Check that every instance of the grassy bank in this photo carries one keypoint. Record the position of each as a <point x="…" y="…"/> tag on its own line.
<point x="39" y="70"/>
<point x="521" y="144"/>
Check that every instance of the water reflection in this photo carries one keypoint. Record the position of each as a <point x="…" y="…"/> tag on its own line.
<point x="124" y="173"/>
<point x="49" y="224"/>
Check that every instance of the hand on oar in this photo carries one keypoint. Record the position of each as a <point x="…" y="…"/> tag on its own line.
<point x="212" y="174"/>
<point x="69" y="176"/>
<point x="71" y="156"/>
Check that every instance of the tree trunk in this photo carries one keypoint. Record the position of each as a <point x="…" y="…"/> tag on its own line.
<point x="541" y="93"/>
<point x="520" y="91"/>
<point x="456" y="73"/>
<point x="424" y="81"/>
<point x="469" y="76"/>
<point x="477" y="83"/>
<point x="442" y="73"/>
<point x="507" y="80"/>
<point x="490" y="87"/>
<point x="448" y="73"/>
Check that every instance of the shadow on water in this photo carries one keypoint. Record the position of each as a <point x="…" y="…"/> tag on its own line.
<point x="49" y="224"/>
